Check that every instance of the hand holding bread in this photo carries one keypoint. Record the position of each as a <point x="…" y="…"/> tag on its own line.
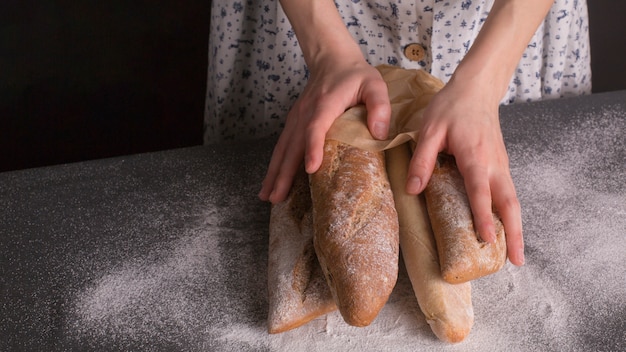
<point x="334" y="243"/>
<point x="358" y="220"/>
<point x="463" y="256"/>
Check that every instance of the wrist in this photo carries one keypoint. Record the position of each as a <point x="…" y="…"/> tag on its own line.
<point x="490" y="63"/>
<point x="331" y="58"/>
<point x="323" y="47"/>
<point x="487" y="84"/>
<point x="322" y="34"/>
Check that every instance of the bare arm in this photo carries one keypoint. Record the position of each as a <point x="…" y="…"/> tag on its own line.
<point x="501" y="42"/>
<point x="321" y="33"/>
<point x="340" y="78"/>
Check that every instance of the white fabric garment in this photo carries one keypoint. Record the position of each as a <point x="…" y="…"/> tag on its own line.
<point x="256" y="69"/>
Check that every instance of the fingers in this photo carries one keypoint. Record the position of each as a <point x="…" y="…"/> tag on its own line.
<point x="327" y="95"/>
<point x="285" y="161"/>
<point x="489" y="189"/>
<point x="476" y="178"/>
<point x="488" y="185"/>
<point x="423" y="161"/>
<point x="302" y="138"/>
<point x="314" y="139"/>
<point x="376" y="100"/>
<point x="508" y="206"/>
<point x="284" y="177"/>
<point x="267" y="186"/>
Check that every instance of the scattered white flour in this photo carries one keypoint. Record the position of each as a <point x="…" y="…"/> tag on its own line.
<point x="205" y="290"/>
<point x="171" y="297"/>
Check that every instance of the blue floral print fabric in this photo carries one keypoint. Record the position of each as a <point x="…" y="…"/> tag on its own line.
<point x="256" y="70"/>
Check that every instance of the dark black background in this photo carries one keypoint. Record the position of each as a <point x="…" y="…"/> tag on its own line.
<point x="86" y="79"/>
<point x="90" y="79"/>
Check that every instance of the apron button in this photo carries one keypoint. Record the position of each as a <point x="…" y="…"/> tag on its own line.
<point x="414" y="52"/>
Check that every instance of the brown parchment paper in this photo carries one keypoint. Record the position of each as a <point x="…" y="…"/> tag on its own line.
<point x="409" y="93"/>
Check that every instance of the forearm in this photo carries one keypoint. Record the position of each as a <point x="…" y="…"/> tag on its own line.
<point x="321" y="33"/>
<point x="500" y="44"/>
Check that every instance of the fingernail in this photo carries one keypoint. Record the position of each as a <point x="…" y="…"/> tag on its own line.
<point x="272" y="197"/>
<point x="380" y="130"/>
<point x="414" y="185"/>
<point x="307" y="164"/>
<point x="520" y="255"/>
<point x="489" y="237"/>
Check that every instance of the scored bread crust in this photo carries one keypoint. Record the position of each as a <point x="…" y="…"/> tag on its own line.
<point x="355" y="230"/>
<point x="463" y="256"/>
<point x="298" y="292"/>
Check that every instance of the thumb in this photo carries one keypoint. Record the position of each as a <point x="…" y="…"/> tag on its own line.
<point x="376" y="100"/>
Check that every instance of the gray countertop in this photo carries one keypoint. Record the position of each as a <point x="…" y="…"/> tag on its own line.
<point x="168" y="251"/>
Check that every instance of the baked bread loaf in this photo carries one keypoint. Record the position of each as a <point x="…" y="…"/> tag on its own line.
<point x="297" y="288"/>
<point x="447" y="307"/>
<point x="355" y="230"/>
<point x="463" y="256"/>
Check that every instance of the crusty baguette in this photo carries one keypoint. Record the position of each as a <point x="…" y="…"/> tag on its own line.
<point x="463" y="256"/>
<point x="297" y="288"/>
<point x="355" y="230"/>
<point x="447" y="307"/>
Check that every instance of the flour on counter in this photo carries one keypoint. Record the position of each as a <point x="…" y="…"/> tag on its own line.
<point x="206" y="289"/>
<point x="565" y="199"/>
<point x="179" y="295"/>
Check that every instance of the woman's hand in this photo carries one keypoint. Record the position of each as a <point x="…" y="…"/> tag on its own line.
<point x="463" y="121"/>
<point x="340" y="79"/>
<point x="333" y="88"/>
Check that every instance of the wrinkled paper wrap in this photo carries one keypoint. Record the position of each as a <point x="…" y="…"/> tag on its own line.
<point x="409" y="93"/>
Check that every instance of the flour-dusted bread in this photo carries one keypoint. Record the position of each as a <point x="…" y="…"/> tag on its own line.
<point x="356" y="230"/>
<point x="447" y="307"/>
<point x="463" y="256"/>
<point x="297" y="288"/>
